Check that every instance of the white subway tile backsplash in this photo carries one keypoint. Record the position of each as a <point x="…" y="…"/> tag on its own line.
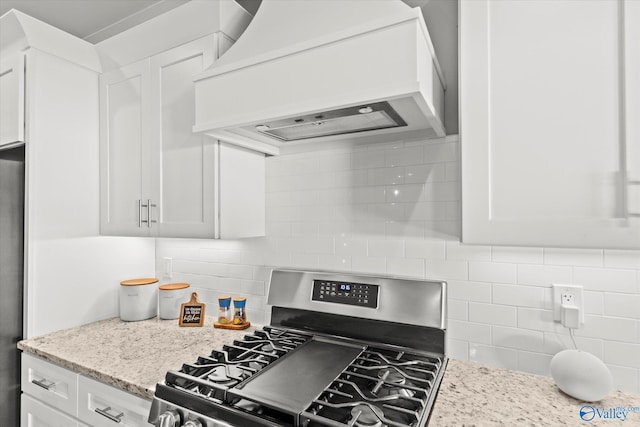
<point x="388" y="248"/>
<point x="534" y="363"/>
<point x="350" y="246"/>
<point x="335" y="262"/>
<point x="460" y="251"/>
<point x="622" y="305"/>
<point x="457" y="349"/>
<point x="492" y="272"/>
<point x="441" y="152"/>
<point x="519" y="339"/>
<point x="574" y="257"/>
<point x="402" y="156"/>
<point x="523" y="296"/>
<point x="404" y="229"/>
<point x="517" y="255"/>
<point x="624" y="378"/>
<point x="367" y="159"/>
<point x="433" y="172"/>
<point x="407" y="193"/>
<point x="411" y="267"/>
<point x="543" y="275"/>
<point x="469" y="331"/>
<point x="608" y="328"/>
<point x="495" y="356"/>
<point x="365" y="264"/>
<point x="493" y="314"/>
<point x="457" y="309"/>
<point x="446" y="270"/>
<point x="606" y="279"/>
<point x="429" y="249"/>
<point x="537" y="320"/>
<point x="394" y="209"/>
<point x="621" y="259"/>
<point x="468" y="291"/>
<point x="556" y="342"/>
<point x="386" y="176"/>
<point x="593" y="302"/>
<point x="623" y="354"/>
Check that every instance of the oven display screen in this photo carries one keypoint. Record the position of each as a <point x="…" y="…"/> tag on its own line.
<point x="360" y="294"/>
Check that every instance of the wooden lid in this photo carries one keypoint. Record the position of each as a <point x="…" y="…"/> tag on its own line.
<point x="138" y="282"/>
<point x="174" y="286"/>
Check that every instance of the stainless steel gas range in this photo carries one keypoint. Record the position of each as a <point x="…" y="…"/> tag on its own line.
<point x="341" y="350"/>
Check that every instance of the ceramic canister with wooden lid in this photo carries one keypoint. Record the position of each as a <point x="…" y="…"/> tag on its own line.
<point x="171" y="297"/>
<point x="138" y="299"/>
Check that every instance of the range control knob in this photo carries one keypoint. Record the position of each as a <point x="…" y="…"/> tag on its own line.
<point x="169" y="419"/>
<point x="192" y="423"/>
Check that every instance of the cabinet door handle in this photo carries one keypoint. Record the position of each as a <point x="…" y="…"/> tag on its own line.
<point x="150" y="205"/>
<point x="105" y="413"/>
<point x="44" y="383"/>
<point x="140" y="220"/>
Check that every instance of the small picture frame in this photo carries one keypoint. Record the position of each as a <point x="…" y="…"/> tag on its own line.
<point x="192" y="312"/>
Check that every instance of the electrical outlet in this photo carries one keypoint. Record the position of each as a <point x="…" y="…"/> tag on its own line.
<point x="569" y="295"/>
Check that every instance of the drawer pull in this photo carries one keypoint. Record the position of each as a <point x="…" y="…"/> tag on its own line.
<point x="105" y="413"/>
<point x="45" y="384"/>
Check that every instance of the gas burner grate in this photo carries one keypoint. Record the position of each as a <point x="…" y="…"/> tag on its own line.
<point x="211" y="376"/>
<point x="380" y="388"/>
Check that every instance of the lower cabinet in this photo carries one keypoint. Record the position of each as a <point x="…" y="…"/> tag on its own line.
<point x="36" y="414"/>
<point x="53" y="396"/>
<point x="102" y="405"/>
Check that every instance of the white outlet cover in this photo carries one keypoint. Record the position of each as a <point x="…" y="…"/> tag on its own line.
<point x="558" y="290"/>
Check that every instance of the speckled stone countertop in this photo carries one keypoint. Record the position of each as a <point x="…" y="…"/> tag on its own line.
<point x="134" y="356"/>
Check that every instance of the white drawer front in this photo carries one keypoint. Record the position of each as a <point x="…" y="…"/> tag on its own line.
<point x="34" y="413"/>
<point x="101" y="405"/>
<point x="50" y="383"/>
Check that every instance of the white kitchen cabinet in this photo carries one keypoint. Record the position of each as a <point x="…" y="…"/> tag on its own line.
<point x="36" y="414"/>
<point x="12" y="100"/>
<point x="100" y="405"/>
<point x="51" y="384"/>
<point x="53" y="396"/>
<point x="158" y="178"/>
<point x="549" y="133"/>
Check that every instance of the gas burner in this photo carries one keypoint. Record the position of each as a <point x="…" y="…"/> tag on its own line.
<point x="226" y="375"/>
<point x="267" y="348"/>
<point x="366" y="415"/>
<point x="391" y="384"/>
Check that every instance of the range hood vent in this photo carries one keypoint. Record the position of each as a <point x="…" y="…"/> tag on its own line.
<point x="318" y="70"/>
<point x="337" y="122"/>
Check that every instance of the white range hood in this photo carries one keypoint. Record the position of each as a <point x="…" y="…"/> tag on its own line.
<point x="310" y="71"/>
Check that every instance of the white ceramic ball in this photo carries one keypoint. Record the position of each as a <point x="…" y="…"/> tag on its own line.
<point x="581" y="375"/>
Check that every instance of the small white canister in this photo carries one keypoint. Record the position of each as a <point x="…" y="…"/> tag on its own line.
<point x="138" y="299"/>
<point x="171" y="297"/>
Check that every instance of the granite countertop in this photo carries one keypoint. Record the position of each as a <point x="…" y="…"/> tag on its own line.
<point x="134" y="356"/>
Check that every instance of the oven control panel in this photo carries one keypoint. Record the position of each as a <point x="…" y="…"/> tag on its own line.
<point x="359" y="294"/>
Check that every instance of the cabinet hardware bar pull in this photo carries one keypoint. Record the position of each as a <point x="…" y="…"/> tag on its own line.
<point x="45" y="384"/>
<point x="140" y="206"/>
<point x="150" y="205"/>
<point x="105" y="413"/>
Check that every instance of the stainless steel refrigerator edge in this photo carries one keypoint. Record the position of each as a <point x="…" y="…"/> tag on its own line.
<point x="12" y="177"/>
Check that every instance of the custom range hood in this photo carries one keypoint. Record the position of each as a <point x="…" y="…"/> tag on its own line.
<point x="311" y="71"/>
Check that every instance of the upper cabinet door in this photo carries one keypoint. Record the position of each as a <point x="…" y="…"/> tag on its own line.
<point x="12" y="100"/>
<point x="548" y="100"/>
<point x="183" y="164"/>
<point x="124" y="168"/>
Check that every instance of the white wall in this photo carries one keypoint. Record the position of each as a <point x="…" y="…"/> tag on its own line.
<point x="64" y="248"/>
<point x="395" y="209"/>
